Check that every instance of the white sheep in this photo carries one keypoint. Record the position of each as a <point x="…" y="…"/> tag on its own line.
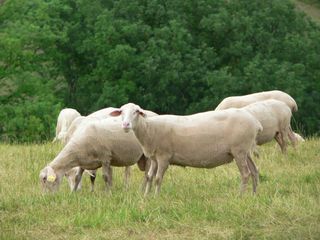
<point x="65" y="118"/>
<point x="242" y="101"/>
<point x="275" y="117"/>
<point x="98" y="144"/>
<point x="203" y="140"/>
<point x="79" y="123"/>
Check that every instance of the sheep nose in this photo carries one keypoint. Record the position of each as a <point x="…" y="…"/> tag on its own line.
<point x="125" y="125"/>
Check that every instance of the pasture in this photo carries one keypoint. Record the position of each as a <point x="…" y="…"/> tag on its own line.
<point x="193" y="204"/>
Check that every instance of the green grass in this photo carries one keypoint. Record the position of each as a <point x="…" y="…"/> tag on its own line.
<point x="193" y="204"/>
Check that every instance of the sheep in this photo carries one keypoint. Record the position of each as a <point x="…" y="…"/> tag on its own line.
<point x="274" y="117"/>
<point x="203" y="140"/>
<point x="77" y="124"/>
<point x="80" y="122"/>
<point x="72" y="173"/>
<point x="65" y="118"/>
<point x="98" y="144"/>
<point x="241" y="101"/>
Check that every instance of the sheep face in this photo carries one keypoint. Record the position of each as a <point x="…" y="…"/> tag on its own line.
<point x="129" y="114"/>
<point x="49" y="180"/>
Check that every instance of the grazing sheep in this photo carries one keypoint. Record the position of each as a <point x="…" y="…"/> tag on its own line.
<point x="203" y="140"/>
<point x="98" y="144"/>
<point x="65" y="118"/>
<point x="242" y="101"/>
<point x="275" y="117"/>
<point x="72" y="173"/>
<point x="79" y="123"/>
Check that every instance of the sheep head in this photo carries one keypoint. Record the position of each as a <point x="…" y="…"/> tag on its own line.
<point x="130" y="113"/>
<point x="49" y="180"/>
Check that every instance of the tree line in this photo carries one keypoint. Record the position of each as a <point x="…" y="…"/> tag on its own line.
<point x="177" y="56"/>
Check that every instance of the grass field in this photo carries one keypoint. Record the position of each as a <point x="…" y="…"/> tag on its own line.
<point x="194" y="203"/>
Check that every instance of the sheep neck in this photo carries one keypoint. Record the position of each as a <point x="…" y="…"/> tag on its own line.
<point x="143" y="132"/>
<point x="65" y="160"/>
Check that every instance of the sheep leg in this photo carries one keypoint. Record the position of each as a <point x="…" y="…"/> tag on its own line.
<point x="107" y="175"/>
<point x="127" y="174"/>
<point x="254" y="173"/>
<point x="284" y="134"/>
<point x="162" y="167"/>
<point x="292" y="137"/>
<point x="146" y="170"/>
<point x="149" y="176"/>
<point x="255" y="152"/>
<point x="147" y="167"/>
<point x="280" y="140"/>
<point x="241" y="161"/>
<point x="70" y="181"/>
<point x="78" y="178"/>
<point x="110" y="174"/>
<point x="92" y="180"/>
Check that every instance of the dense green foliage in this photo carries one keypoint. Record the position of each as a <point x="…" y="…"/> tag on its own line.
<point x="194" y="203"/>
<point x="168" y="56"/>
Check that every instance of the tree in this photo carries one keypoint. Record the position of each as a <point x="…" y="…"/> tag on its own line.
<point x="176" y="57"/>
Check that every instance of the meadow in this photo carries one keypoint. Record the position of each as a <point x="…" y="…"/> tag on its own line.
<point x="193" y="204"/>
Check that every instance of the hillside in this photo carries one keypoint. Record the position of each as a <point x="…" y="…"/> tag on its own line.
<point x="311" y="8"/>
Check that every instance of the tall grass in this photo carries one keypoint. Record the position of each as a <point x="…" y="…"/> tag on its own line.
<point x="193" y="204"/>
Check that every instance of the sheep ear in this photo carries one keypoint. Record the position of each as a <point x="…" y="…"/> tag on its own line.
<point x="115" y="113"/>
<point x="43" y="176"/>
<point x="51" y="175"/>
<point x="142" y="113"/>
